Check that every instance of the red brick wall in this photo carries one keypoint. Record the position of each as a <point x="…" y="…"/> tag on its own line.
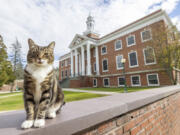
<point x="64" y="68"/>
<point x="112" y="53"/>
<point x="159" y="118"/>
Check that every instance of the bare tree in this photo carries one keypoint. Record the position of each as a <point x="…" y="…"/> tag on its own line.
<point x="16" y="59"/>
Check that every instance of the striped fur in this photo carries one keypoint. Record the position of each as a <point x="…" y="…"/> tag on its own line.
<point x="43" y="96"/>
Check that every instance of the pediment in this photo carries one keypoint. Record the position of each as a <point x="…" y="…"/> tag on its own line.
<point x="77" y="40"/>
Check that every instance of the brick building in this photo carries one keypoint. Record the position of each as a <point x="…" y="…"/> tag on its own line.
<point x="96" y="61"/>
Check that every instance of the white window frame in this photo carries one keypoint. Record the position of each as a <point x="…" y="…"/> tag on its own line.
<point x="108" y="82"/>
<point x="139" y="80"/>
<point x="101" y="50"/>
<point x="134" y="40"/>
<point x="93" y="82"/>
<point x="136" y="59"/>
<point x="157" y="79"/>
<point x="117" y="63"/>
<point x="115" y="45"/>
<point x="118" y="81"/>
<point x="103" y="66"/>
<point x="94" y="66"/>
<point x="142" y="40"/>
<point x="145" y="57"/>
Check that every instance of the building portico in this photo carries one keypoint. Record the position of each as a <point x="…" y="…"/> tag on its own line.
<point x="82" y="61"/>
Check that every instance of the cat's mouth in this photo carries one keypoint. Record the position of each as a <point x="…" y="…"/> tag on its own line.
<point x="41" y="62"/>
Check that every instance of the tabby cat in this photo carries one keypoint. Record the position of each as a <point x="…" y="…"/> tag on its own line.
<point x="43" y="97"/>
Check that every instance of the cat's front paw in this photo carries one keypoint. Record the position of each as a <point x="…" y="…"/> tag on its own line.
<point x="27" y="124"/>
<point x="39" y="123"/>
<point x="51" y="115"/>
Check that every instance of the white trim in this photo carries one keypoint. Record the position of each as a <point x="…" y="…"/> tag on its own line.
<point x="93" y="82"/>
<point x="136" y="26"/>
<point x="118" y="81"/>
<point x="103" y="66"/>
<point x="117" y="68"/>
<point x="130" y="61"/>
<point x="134" y="40"/>
<point x="139" y="80"/>
<point x="101" y="50"/>
<point x="142" y="40"/>
<point x="108" y="82"/>
<point x="115" y="44"/>
<point x="157" y="79"/>
<point x="145" y="56"/>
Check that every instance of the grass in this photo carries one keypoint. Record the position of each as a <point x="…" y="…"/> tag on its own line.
<point x="16" y="102"/>
<point x="121" y="90"/>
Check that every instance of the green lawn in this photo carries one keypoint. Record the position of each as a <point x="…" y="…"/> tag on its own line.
<point x="16" y="102"/>
<point x="129" y="89"/>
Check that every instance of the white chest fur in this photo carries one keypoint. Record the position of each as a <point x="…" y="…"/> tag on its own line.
<point x="39" y="74"/>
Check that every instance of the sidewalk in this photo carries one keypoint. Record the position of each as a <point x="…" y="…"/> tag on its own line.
<point x="89" y="91"/>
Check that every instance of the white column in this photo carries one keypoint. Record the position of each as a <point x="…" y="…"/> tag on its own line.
<point x="97" y="60"/>
<point x="76" y="63"/>
<point x="80" y="71"/>
<point x="72" y="70"/>
<point x="88" y="59"/>
<point x="82" y="59"/>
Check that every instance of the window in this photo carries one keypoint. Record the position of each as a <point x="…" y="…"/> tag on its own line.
<point x="118" y="45"/>
<point x="66" y="73"/>
<point x="66" y="63"/>
<point x="133" y="62"/>
<point x="119" y="65"/>
<point x="94" y="67"/>
<point x="62" y="74"/>
<point x="130" y="40"/>
<point x="121" y="81"/>
<point x="153" y="79"/>
<point x="149" y="56"/>
<point x="62" y="63"/>
<point x="146" y="35"/>
<point x="94" y="82"/>
<point x="69" y="62"/>
<point x="105" y="65"/>
<point x="103" y="50"/>
<point x="106" y="82"/>
<point x="94" y="52"/>
<point x="135" y="80"/>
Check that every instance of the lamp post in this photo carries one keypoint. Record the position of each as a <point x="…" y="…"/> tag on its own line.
<point x="123" y="61"/>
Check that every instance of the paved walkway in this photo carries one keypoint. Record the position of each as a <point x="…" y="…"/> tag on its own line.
<point x="89" y="91"/>
<point x="9" y="95"/>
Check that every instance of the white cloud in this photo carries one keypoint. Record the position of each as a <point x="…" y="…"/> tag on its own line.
<point x="59" y="20"/>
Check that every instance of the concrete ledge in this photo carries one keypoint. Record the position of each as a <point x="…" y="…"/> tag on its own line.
<point x="79" y="115"/>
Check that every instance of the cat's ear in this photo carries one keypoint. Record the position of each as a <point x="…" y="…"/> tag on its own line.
<point x="31" y="43"/>
<point x="51" y="46"/>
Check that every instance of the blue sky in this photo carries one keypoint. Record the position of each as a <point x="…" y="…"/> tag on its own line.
<point x="59" y="20"/>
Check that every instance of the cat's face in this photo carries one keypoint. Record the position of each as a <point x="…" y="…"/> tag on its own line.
<point x="40" y="56"/>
